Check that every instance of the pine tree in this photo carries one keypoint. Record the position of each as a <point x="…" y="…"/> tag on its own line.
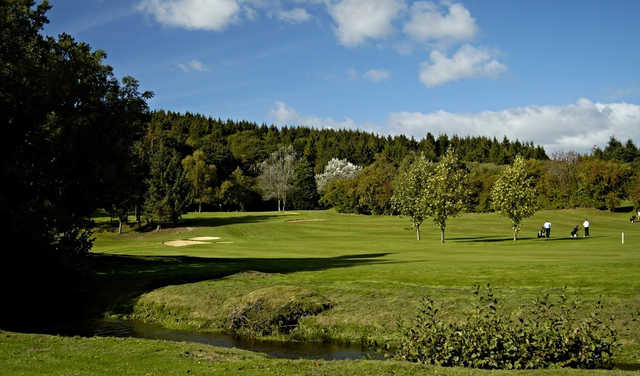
<point x="168" y="188"/>
<point x="305" y="192"/>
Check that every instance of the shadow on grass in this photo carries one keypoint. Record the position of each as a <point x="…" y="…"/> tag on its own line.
<point x="627" y="366"/>
<point x="186" y="222"/>
<point x="119" y="279"/>
<point x="227" y="220"/>
<point x="487" y="239"/>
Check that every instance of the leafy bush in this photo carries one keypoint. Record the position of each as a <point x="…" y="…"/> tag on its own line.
<point x="548" y="333"/>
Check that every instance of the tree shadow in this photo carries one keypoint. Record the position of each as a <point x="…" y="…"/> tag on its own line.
<point x="624" y="209"/>
<point x="626" y="366"/>
<point x="119" y="279"/>
<point x="227" y="220"/>
<point x="488" y="239"/>
<point x="567" y="238"/>
<point x="470" y="238"/>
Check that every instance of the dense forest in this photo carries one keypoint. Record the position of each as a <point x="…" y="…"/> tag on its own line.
<point x="236" y="150"/>
<point x="76" y="139"/>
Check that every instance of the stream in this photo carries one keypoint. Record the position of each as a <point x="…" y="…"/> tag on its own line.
<point x="275" y="349"/>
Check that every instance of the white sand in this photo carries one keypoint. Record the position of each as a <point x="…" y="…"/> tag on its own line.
<point x="183" y="243"/>
<point x="205" y="238"/>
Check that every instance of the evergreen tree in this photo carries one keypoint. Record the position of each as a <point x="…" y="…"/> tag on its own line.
<point x="168" y="191"/>
<point x="305" y="192"/>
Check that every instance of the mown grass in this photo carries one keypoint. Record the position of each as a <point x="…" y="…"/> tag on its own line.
<point x="372" y="268"/>
<point x="29" y="354"/>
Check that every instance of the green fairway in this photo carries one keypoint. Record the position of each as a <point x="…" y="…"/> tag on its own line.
<point x="372" y="269"/>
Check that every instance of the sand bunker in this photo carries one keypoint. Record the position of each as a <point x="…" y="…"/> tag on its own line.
<point x="183" y="243"/>
<point x="205" y="238"/>
<point x="306" y="220"/>
<point x="224" y="242"/>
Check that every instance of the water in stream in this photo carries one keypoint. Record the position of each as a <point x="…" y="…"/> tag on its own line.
<point x="288" y="350"/>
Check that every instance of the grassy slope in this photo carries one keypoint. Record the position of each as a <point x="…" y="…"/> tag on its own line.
<point x="25" y="354"/>
<point x="374" y="270"/>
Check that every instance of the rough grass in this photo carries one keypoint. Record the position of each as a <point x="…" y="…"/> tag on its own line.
<point x="28" y="354"/>
<point x="372" y="269"/>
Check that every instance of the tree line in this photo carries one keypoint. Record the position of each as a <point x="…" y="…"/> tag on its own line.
<point x="245" y="166"/>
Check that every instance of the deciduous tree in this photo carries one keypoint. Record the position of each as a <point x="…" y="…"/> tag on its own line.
<point x="202" y="177"/>
<point x="446" y="190"/>
<point x="276" y="175"/>
<point x="336" y="169"/>
<point x="408" y="197"/>
<point x="513" y="195"/>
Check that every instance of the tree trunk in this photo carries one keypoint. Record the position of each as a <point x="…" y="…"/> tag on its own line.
<point x="158" y="227"/>
<point x="119" y="226"/>
<point x="137" y="214"/>
<point x="284" y="204"/>
<point x="442" y="234"/>
<point x="199" y="207"/>
<point x="418" y="232"/>
<point x="515" y="236"/>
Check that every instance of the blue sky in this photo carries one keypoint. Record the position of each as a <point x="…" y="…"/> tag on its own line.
<point x="563" y="74"/>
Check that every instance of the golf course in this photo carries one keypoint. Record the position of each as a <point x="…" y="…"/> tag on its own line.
<point x="367" y="273"/>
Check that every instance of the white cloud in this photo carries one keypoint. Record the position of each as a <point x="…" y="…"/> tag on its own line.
<point x="296" y="15"/>
<point x="376" y="75"/>
<point x="193" y="14"/>
<point x="283" y="114"/>
<point x="576" y="127"/>
<point x="193" y="65"/>
<point x="428" y="23"/>
<point x="467" y="62"/>
<point x="358" y="20"/>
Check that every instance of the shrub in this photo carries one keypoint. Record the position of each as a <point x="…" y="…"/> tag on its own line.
<point x="548" y="333"/>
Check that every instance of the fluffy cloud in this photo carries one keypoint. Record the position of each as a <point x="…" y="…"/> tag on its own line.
<point x="574" y="127"/>
<point x="284" y="114"/>
<point x="467" y="62"/>
<point x="577" y="126"/>
<point x="193" y="65"/>
<point x="428" y="23"/>
<point x="193" y="14"/>
<point x="358" y="20"/>
<point x="376" y="75"/>
<point x="296" y="15"/>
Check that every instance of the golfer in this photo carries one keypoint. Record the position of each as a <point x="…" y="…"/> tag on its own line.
<point x="547" y="229"/>
<point x="586" y="227"/>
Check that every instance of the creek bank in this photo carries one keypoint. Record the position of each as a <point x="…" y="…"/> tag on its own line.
<point x="275" y="349"/>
